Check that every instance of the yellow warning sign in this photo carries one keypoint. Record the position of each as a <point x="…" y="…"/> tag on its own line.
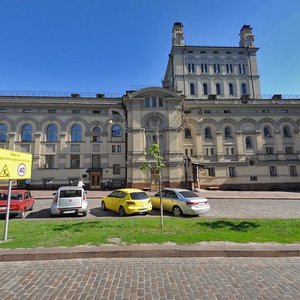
<point x="15" y="165"/>
<point x="4" y="172"/>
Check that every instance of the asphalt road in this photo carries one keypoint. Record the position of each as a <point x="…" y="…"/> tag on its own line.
<point x="152" y="278"/>
<point x="220" y="208"/>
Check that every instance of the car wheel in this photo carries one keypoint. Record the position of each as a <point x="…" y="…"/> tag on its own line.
<point x="177" y="212"/>
<point x="84" y="214"/>
<point x="122" y="212"/>
<point x="103" y="206"/>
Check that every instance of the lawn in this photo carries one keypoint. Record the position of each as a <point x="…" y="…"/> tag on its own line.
<point x="69" y="233"/>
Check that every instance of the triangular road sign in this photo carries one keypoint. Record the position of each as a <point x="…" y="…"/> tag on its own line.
<point x="4" y="172"/>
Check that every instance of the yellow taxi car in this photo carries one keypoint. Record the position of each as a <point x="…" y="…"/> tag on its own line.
<point x="127" y="201"/>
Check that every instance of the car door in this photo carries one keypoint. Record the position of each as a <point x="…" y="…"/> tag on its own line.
<point x="155" y="200"/>
<point x="170" y="200"/>
<point x="109" y="200"/>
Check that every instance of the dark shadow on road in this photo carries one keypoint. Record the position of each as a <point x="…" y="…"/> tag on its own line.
<point x="241" y="226"/>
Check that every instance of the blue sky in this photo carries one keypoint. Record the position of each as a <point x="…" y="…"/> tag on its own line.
<point x="112" y="46"/>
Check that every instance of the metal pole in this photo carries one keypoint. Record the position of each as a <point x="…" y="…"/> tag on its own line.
<point x="7" y="210"/>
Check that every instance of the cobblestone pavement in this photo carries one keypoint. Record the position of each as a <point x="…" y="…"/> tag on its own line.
<point x="220" y="208"/>
<point x="163" y="278"/>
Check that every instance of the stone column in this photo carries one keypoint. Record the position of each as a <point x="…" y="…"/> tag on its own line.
<point x="260" y="145"/>
<point x="37" y="150"/>
<point x="279" y="146"/>
<point x="240" y="145"/>
<point x="220" y="149"/>
<point x="11" y="140"/>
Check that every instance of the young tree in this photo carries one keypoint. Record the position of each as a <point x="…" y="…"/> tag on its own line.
<point x="154" y="151"/>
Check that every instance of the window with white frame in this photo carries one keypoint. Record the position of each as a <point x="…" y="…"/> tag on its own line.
<point x="242" y="68"/>
<point x="211" y="172"/>
<point x="269" y="150"/>
<point x="192" y="89"/>
<point x="217" y="68"/>
<point x="267" y="131"/>
<point x="204" y="68"/>
<point x="273" y="171"/>
<point x="207" y="133"/>
<point x="232" y="171"/>
<point x="228" y="132"/>
<point x="229" y="68"/>
<point x="205" y="89"/>
<point x="244" y="89"/>
<point x="231" y="89"/>
<point x="289" y="149"/>
<point x="191" y="68"/>
<point x="293" y="170"/>
<point x="287" y="131"/>
<point x="248" y="141"/>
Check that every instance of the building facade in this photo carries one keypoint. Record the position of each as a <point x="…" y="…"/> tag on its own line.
<point x="212" y="125"/>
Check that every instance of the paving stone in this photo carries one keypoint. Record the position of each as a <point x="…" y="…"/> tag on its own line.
<point x="152" y="278"/>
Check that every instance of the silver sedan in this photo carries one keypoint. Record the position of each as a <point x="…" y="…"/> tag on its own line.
<point x="181" y="202"/>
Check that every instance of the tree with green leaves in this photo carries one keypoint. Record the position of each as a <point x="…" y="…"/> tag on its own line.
<point x="157" y="165"/>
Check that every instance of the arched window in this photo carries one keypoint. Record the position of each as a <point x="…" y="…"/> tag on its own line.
<point x="192" y="89"/>
<point x="207" y="133"/>
<point x="228" y="132"/>
<point x="76" y="133"/>
<point x="267" y="132"/>
<point x="248" y="141"/>
<point x="187" y="133"/>
<point x="205" y="89"/>
<point x="3" y="131"/>
<point x="287" y="131"/>
<point x="26" y="133"/>
<point x="218" y="89"/>
<point x="231" y="89"/>
<point x="96" y="134"/>
<point x="244" y="89"/>
<point x="116" y="130"/>
<point x="51" y="133"/>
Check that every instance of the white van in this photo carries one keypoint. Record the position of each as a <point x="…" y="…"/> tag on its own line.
<point x="69" y="200"/>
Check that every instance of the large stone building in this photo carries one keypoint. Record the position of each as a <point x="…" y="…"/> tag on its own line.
<point x="213" y="127"/>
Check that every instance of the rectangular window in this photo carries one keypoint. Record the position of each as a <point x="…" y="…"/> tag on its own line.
<point x="269" y="150"/>
<point x="229" y="69"/>
<point x="273" y="171"/>
<point x="26" y="110"/>
<point x="119" y="148"/>
<point x="203" y="68"/>
<point x="265" y="111"/>
<point x="289" y="150"/>
<point x="253" y="178"/>
<point x="2" y="110"/>
<point x="116" y="169"/>
<point x="75" y="162"/>
<point x="153" y="101"/>
<point x="113" y="148"/>
<point x="51" y="111"/>
<point x="191" y="68"/>
<point x="96" y="112"/>
<point x="186" y="152"/>
<point x="227" y="111"/>
<point x="75" y="111"/>
<point x="293" y="170"/>
<point x="284" y="111"/>
<point x="242" y="68"/>
<point x="49" y="161"/>
<point x="96" y="161"/>
<point x="147" y="102"/>
<point x="217" y="68"/>
<point x="211" y="172"/>
<point x="160" y="102"/>
<point x="232" y="172"/>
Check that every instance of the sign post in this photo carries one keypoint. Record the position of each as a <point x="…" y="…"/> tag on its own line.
<point x="14" y="165"/>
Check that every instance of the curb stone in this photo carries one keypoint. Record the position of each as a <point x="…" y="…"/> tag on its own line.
<point x="147" y="251"/>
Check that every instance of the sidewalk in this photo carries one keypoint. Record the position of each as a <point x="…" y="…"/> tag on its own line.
<point x="140" y="251"/>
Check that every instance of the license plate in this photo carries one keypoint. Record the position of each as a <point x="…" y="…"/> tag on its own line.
<point x="69" y="211"/>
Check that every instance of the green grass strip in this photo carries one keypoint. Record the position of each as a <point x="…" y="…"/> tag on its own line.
<point x="70" y="233"/>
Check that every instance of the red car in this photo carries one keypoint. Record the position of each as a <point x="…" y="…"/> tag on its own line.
<point x="20" y="202"/>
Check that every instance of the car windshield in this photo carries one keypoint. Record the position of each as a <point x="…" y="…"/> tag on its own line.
<point x="70" y="194"/>
<point x="188" y="194"/>
<point x="14" y="196"/>
<point x="138" y="196"/>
